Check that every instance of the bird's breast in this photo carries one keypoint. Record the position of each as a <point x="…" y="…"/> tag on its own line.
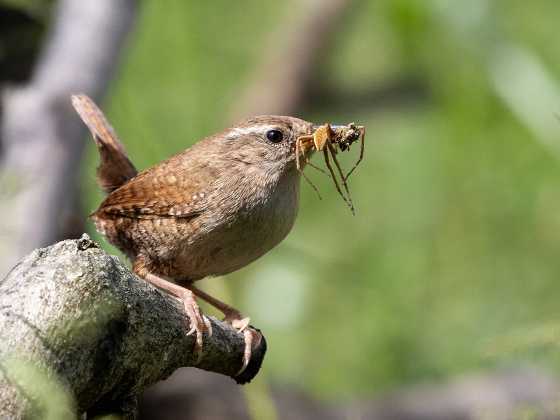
<point x="250" y="221"/>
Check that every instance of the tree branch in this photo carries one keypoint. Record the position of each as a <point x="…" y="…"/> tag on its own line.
<point x="76" y="322"/>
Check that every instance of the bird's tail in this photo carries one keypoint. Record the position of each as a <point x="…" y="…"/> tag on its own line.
<point x="115" y="168"/>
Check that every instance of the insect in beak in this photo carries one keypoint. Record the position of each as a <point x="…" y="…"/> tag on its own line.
<point x="307" y="142"/>
<point x="329" y="139"/>
<point x="324" y="133"/>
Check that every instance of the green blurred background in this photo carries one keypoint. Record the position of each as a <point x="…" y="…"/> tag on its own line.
<point x="454" y="246"/>
<point x="451" y="263"/>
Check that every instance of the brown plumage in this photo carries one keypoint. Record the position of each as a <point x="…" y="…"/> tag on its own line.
<point x="207" y="211"/>
<point x="115" y="168"/>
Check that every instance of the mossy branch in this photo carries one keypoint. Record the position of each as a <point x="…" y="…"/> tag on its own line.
<point x="77" y="326"/>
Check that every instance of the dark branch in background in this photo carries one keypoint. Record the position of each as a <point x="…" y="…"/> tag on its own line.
<point x="291" y="86"/>
<point x="397" y="94"/>
<point x="278" y="86"/>
<point x="42" y="140"/>
<point x="76" y="321"/>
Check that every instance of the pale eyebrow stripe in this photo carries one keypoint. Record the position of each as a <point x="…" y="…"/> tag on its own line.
<point x="236" y="132"/>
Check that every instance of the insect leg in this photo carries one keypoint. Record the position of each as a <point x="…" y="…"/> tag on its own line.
<point x="298" y="166"/>
<point x="327" y="161"/>
<point x="333" y="154"/>
<point x="363" y="129"/>
<point x="300" y="140"/>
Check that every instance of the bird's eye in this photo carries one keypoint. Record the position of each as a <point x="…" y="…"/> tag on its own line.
<point x="274" y="136"/>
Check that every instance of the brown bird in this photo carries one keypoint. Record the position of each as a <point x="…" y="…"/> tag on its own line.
<point x="207" y="211"/>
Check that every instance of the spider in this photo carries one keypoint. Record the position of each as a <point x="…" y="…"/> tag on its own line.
<point x="329" y="139"/>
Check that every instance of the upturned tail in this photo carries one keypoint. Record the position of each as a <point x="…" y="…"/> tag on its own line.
<point x="115" y="168"/>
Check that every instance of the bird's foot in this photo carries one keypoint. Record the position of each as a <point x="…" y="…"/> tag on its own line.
<point x="249" y="333"/>
<point x="199" y="321"/>
<point x="236" y="320"/>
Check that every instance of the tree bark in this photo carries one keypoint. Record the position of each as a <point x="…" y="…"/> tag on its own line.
<point x="79" y="332"/>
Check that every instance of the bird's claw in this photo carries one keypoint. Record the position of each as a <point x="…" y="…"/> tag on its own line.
<point x="207" y="326"/>
<point x="199" y="321"/>
<point x="250" y="335"/>
<point x="240" y="324"/>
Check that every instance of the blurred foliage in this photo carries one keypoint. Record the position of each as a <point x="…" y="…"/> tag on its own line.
<point x="22" y="27"/>
<point x="30" y="382"/>
<point x="38" y="10"/>
<point x="457" y="229"/>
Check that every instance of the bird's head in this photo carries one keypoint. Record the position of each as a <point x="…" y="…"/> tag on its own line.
<point x="267" y="142"/>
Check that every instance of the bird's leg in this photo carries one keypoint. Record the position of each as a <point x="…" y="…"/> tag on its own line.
<point x="233" y="317"/>
<point x="199" y="322"/>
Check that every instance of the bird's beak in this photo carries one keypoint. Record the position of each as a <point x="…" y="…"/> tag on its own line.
<point x="334" y="127"/>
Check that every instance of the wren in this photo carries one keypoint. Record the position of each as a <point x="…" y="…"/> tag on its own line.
<point x="207" y="211"/>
